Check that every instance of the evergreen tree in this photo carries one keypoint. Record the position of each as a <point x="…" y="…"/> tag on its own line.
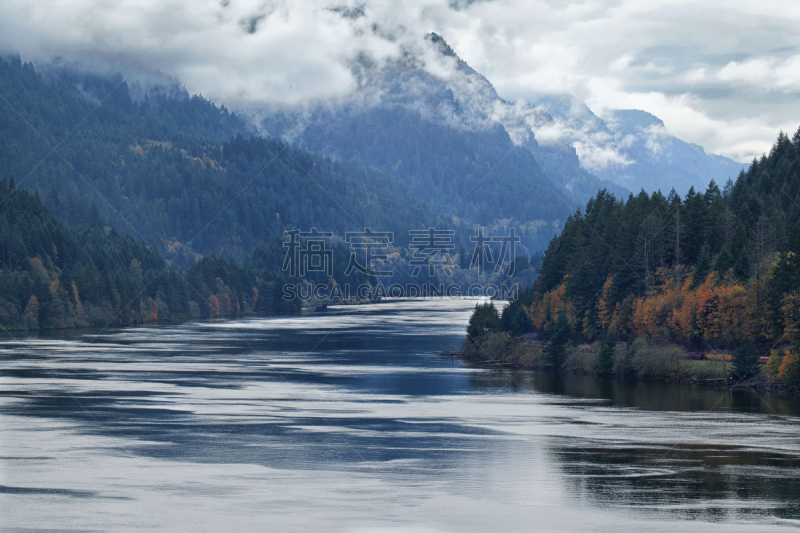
<point x="559" y="336"/>
<point x="703" y="265"/>
<point x="484" y="320"/>
<point x="606" y="354"/>
<point x="745" y="361"/>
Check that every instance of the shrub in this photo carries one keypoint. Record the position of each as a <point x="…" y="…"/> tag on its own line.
<point x="488" y="347"/>
<point x="646" y="360"/>
<point x="606" y="355"/>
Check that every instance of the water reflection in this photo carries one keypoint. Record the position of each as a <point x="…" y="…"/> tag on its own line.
<point x="655" y="396"/>
<point x="695" y="481"/>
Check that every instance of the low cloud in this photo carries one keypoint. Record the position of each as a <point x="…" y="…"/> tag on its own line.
<point x="597" y="149"/>
<point x="722" y="74"/>
<point x="655" y="137"/>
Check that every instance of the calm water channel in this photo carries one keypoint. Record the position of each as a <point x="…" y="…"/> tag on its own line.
<point x="351" y="421"/>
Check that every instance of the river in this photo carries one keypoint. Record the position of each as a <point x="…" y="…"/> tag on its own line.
<point x="351" y="420"/>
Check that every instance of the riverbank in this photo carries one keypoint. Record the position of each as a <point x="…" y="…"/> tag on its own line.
<point x="640" y="359"/>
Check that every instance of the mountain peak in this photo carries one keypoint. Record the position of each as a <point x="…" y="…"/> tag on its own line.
<point x="629" y="121"/>
<point x="441" y="44"/>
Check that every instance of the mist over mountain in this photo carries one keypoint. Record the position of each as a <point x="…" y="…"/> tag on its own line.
<point x="434" y="123"/>
<point x="403" y="108"/>
<point x="423" y="137"/>
<point x="629" y="147"/>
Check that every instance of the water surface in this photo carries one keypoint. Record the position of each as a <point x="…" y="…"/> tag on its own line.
<point x="352" y="421"/>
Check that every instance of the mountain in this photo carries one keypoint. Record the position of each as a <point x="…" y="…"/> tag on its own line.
<point x="633" y="149"/>
<point x="424" y="140"/>
<point x="178" y="172"/>
<point x="434" y="123"/>
<point x="440" y="135"/>
<point x="410" y="125"/>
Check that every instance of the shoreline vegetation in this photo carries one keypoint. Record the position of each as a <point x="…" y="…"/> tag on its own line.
<point x="641" y="359"/>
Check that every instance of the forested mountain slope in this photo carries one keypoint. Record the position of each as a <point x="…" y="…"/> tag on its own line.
<point x="441" y="138"/>
<point x="658" y="159"/>
<point x="52" y="276"/>
<point x="175" y="171"/>
<point x="629" y="147"/>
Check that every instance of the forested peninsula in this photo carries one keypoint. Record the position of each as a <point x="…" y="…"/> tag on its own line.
<point x="704" y="287"/>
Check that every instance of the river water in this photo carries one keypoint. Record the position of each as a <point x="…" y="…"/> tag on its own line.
<point x="351" y="420"/>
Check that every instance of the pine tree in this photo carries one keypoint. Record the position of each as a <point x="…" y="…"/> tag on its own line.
<point x="703" y="266"/>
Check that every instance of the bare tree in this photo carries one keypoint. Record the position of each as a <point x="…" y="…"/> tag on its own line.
<point x="762" y="246"/>
<point x="646" y="245"/>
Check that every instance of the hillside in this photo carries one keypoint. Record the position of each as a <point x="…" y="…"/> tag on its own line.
<point x="176" y="171"/>
<point x="437" y="136"/>
<point x="52" y="276"/>
<point x="659" y="160"/>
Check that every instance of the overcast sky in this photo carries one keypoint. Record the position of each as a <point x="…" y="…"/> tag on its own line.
<point x="723" y="74"/>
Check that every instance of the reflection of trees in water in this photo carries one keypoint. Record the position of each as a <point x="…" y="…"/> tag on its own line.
<point x="711" y="482"/>
<point x="646" y="395"/>
<point x="696" y="481"/>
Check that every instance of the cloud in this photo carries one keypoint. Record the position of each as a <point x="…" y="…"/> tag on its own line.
<point x="242" y="52"/>
<point x="597" y="147"/>
<point x="655" y="136"/>
<point x="667" y="58"/>
<point x="764" y="73"/>
<point x="722" y="74"/>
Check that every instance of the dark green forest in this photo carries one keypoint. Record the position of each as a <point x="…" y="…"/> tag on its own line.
<point x="52" y="276"/>
<point x="176" y="171"/>
<point x="717" y="270"/>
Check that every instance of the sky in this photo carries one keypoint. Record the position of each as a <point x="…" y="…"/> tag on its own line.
<point x="721" y="74"/>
